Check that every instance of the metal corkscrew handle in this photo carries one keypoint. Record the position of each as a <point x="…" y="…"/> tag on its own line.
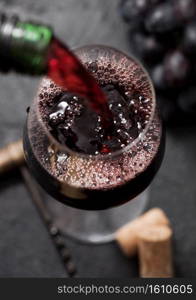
<point x="56" y="235"/>
<point x="12" y="156"/>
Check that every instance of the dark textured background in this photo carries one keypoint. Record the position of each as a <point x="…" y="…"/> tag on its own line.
<point x="25" y="248"/>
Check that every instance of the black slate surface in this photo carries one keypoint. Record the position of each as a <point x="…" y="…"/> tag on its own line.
<point x="25" y="248"/>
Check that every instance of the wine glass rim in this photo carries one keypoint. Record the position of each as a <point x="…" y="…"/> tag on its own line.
<point x="125" y="149"/>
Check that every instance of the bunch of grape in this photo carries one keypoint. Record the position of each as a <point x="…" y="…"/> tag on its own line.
<point x="162" y="34"/>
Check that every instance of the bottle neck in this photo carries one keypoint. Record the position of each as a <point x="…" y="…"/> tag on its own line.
<point x="23" y="46"/>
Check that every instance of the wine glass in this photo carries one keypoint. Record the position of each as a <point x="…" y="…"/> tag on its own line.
<point x="90" y="187"/>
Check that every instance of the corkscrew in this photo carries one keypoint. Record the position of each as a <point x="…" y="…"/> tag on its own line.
<point x="12" y="156"/>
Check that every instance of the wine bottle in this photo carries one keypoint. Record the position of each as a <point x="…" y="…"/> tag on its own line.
<point x="23" y="45"/>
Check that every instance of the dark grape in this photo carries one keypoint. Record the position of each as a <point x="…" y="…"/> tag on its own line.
<point x="162" y="18"/>
<point x="133" y="10"/>
<point x="148" y="47"/>
<point x="176" y="67"/>
<point x="158" y="77"/>
<point x="186" y="9"/>
<point x="189" y="42"/>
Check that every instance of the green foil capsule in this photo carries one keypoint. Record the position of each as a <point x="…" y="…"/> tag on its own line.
<point x="29" y="45"/>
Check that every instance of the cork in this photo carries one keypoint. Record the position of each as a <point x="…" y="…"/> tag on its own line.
<point x="11" y="156"/>
<point x="127" y="235"/>
<point x="155" y="252"/>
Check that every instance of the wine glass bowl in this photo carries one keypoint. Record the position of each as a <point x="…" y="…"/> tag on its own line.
<point x="99" y="180"/>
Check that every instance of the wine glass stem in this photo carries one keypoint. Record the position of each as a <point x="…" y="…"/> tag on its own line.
<point x="95" y="226"/>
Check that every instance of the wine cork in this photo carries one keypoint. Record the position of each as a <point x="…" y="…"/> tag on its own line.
<point x="11" y="156"/>
<point x="155" y="252"/>
<point x="126" y="236"/>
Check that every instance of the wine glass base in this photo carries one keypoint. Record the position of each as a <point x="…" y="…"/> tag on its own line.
<point x="95" y="226"/>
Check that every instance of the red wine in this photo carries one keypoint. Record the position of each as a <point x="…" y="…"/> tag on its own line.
<point x="65" y="69"/>
<point x="96" y="169"/>
<point x="81" y="129"/>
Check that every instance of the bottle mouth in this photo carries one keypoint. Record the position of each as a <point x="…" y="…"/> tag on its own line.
<point x="99" y="53"/>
